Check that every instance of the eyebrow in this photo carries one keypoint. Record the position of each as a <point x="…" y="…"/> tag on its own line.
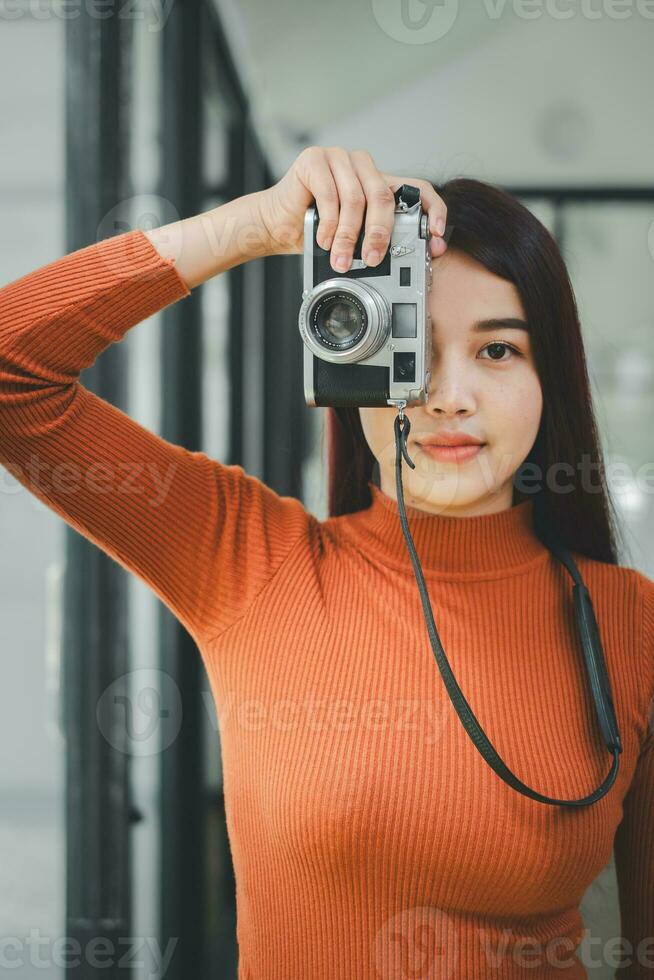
<point x="498" y="323"/>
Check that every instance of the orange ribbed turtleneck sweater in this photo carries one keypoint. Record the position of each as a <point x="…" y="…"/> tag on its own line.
<point x="369" y="837"/>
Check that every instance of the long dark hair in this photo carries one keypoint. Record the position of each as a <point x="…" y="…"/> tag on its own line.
<point x="502" y="234"/>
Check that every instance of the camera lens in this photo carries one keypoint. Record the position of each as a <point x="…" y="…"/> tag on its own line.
<point x="344" y="321"/>
<point x="339" y="320"/>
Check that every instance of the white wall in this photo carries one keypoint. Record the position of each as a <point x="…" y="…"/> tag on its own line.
<point x="543" y="101"/>
<point x="31" y="742"/>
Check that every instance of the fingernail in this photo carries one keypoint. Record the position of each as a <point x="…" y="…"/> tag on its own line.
<point x="439" y="227"/>
<point x="373" y="258"/>
<point x="342" y="263"/>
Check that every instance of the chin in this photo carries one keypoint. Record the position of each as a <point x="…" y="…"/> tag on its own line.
<point x="441" y="489"/>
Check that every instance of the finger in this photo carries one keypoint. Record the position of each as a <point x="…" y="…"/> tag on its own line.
<point x="437" y="246"/>
<point x="431" y="202"/>
<point x="352" y="203"/>
<point x="380" y="208"/>
<point x="317" y="176"/>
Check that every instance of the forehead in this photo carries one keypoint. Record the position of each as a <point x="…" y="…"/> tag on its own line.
<point x="465" y="291"/>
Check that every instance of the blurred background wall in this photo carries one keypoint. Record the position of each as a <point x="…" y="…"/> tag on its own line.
<point x="552" y="100"/>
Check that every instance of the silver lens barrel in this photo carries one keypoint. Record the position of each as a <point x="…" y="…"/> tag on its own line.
<point x="367" y="320"/>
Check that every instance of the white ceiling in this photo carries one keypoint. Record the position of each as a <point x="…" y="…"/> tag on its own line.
<point x="308" y="63"/>
<point x="512" y="91"/>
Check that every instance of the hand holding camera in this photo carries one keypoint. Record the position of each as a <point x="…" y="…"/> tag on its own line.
<point x="344" y="186"/>
<point x="368" y="243"/>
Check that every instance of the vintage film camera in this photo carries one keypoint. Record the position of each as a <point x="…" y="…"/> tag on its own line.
<point x="367" y="332"/>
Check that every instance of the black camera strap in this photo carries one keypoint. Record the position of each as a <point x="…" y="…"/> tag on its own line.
<point x="588" y="631"/>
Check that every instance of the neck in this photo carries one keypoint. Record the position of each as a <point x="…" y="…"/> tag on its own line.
<point x="485" y="544"/>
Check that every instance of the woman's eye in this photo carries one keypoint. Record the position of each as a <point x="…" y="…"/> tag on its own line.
<point x="500" y="344"/>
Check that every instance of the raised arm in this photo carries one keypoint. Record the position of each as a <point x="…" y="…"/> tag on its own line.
<point x="204" y="536"/>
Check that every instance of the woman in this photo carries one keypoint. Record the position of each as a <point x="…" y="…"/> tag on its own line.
<point x="369" y="837"/>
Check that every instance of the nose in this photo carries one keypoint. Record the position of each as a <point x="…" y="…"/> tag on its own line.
<point x="449" y="392"/>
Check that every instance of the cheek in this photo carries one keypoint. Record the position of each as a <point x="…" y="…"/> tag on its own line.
<point x="520" y="406"/>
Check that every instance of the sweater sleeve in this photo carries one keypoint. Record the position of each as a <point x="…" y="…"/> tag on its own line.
<point x="634" y="840"/>
<point x="204" y="536"/>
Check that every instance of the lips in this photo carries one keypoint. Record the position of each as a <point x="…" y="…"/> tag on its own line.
<point x="450" y="446"/>
<point x="450" y="439"/>
<point x="453" y="454"/>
